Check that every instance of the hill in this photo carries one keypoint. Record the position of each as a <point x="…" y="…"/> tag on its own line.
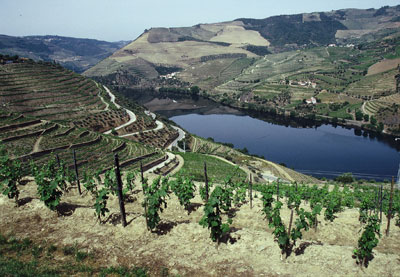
<point x="345" y="60"/>
<point x="160" y="51"/>
<point x="76" y="54"/>
<point x="48" y="110"/>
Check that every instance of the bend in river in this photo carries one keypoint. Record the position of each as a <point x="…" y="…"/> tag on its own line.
<point x="322" y="151"/>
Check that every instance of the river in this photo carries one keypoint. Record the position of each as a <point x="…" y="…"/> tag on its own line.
<point x="321" y="151"/>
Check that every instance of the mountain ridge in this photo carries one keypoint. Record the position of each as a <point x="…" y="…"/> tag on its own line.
<point x="77" y="54"/>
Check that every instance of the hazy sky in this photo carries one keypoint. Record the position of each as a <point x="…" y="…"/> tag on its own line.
<point x="114" y="20"/>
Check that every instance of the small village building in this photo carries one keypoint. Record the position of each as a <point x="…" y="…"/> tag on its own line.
<point x="312" y="101"/>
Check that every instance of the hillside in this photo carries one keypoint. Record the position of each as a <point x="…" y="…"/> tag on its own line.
<point x="77" y="243"/>
<point x="73" y="53"/>
<point x="346" y="60"/>
<point x="48" y="110"/>
<point x="159" y="51"/>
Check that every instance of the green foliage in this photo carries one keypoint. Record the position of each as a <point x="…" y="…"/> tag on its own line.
<point x="312" y="217"/>
<point x="50" y="181"/>
<point x="212" y="214"/>
<point x="239" y="193"/>
<point x="359" y="115"/>
<point x="368" y="241"/>
<point x="345" y="178"/>
<point x="110" y="181"/>
<point x="100" y="206"/>
<point x="130" y="180"/>
<point x="279" y="232"/>
<point x="89" y="183"/>
<point x="332" y="204"/>
<point x="184" y="189"/>
<point x="154" y="201"/>
<point x="10" y="175"/>
<point x="373" y="120"/>
<point x="267" y="199"/>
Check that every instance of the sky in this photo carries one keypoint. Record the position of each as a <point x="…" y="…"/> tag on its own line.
<point x="115" y="20"/>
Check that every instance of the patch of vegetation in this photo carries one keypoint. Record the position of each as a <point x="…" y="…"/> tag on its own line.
<point x="290" y="29"/>
<point x="217" y="170"/>
<point x="258" y="50"/>
<point x="23" y="257"/>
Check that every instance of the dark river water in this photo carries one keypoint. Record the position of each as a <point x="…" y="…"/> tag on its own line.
<point x="321" y="151"/>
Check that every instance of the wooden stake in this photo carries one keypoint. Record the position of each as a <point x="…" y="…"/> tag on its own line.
<point x="206" y="180"/>
<point x="251" y="193"/>
<point x="144" y="195"/>
<point x="58" y="161"/>
<point x="76" y="174"/>
<point x="380" y="204"/>
<point x="141" y="171"/>
<point x="389" y="216"/>
<point x="277" y="191"/>
<point x="120" y="196"/>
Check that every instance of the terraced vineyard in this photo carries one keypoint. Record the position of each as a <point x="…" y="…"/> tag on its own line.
<point x="41" y="141"/>
<point x="48" y="110"/>
<point x="372" y="107"/>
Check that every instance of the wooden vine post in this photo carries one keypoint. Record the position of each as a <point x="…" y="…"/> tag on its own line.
<point x="144" y="194"/>
<point x="76" y="174"/>
<point x="291" y="216"/>
<point x="206" y="180"/>
<point x="141" y="172"/>
<point x="58" y="161"/>
<point x="390" y="207"/>
<point x="277" y="191"/>
<point x="380" y="204"/>
<point x="251" y="192"/>
<point x="120" y="196"/>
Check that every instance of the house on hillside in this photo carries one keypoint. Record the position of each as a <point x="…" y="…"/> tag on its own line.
<point x="312" y="101"/>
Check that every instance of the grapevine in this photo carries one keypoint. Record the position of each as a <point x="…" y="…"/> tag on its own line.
<point x="10" y="175"/>
<point x="100" y="205"/>
<point x="154" y="200"/>
<point x="184" y="189"/>
<point x="368" y="241"/>
<point x="212" y="215"/>
<point x="50" y="182"/>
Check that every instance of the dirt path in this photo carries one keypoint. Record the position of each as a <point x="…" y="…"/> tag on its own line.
<point x="132" y="116"/>
<point x="36" y="146"/>
<point x="181" y="163"/>
<point x="194" y="144"/>
<point x="364" y="110"/>
<point x="181" y="136"/>
<point x="278" y="168"/>
<point x="104" y="101"/>
<point x="170" y="158"/>
<point x="159" y="124"/>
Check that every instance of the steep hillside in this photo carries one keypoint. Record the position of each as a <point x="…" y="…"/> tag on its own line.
<point x="73" y="53"/>
<point x="345" y="60"/>
<point x="220" y="48"/>
<point x="48" y="110"/>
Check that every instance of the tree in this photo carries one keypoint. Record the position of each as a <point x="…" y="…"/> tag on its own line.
<point x="345" y="178"/>
<point x="359" y="115"/>
<point x="380" y="127"/>
<point x="195" y="90"/>
<point x="373" y="121"/>
<point x="366" y="117"/>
